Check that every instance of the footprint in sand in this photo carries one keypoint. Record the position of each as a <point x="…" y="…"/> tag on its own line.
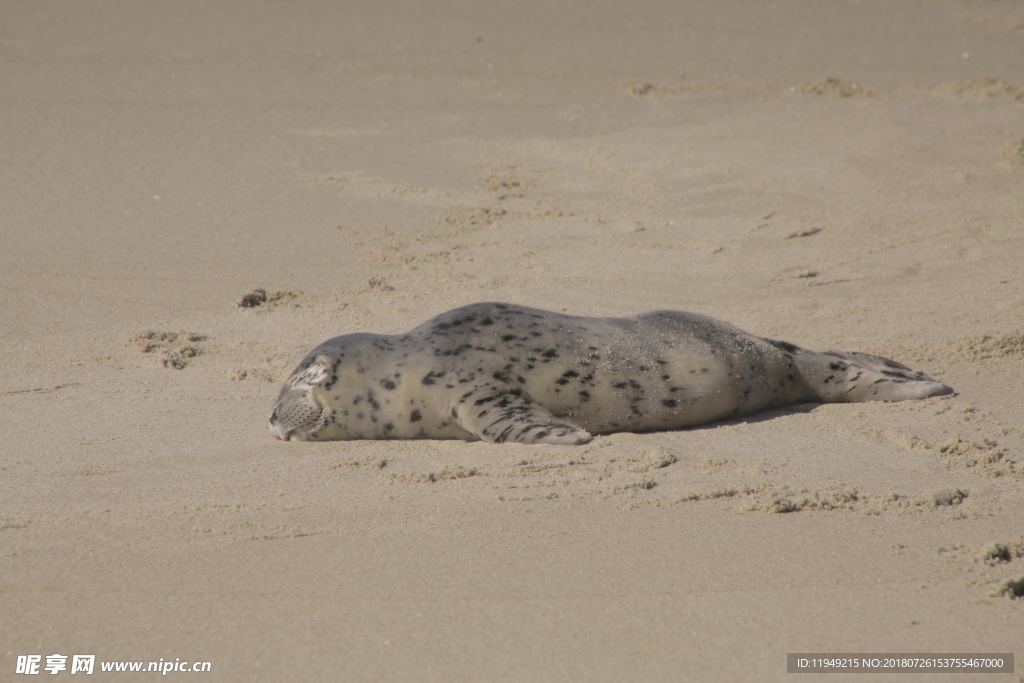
<point x="175" y="349"/>
<point x="834" y="87"/>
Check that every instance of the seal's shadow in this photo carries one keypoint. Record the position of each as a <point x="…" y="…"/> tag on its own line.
<point x="762" y="416"/>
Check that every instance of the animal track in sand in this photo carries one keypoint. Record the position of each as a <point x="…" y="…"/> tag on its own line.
<point x="252" y="375"/>
<point x="505" y="184"/>
<point x="433" y="477"/>
<point x="176" y="349"/>
<point x="39" y="390"/>
<point x="470" y="218"/>
<point x="642" y="89"/>
<point x="981" y="90"/>
<point x="984" y="458"/>
<point x="834" y="87"/>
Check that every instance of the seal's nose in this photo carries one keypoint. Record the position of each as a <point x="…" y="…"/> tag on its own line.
<point x="275" y="428"/>
<point x="279" y="431"/>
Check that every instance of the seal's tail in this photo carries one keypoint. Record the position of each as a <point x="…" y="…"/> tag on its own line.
<point x="851" y="376"/>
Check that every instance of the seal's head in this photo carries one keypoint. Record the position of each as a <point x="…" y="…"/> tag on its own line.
<point x="298" y="413"/>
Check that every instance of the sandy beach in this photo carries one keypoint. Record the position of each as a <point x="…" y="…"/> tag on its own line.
<point x="834" y="173"/>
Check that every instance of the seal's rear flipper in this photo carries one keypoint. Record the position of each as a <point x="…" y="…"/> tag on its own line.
<point x="498" y="414"/>
<point x="850" y="376"/>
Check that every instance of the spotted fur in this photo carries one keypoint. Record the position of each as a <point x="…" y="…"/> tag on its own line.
<point x="499" y="372"/>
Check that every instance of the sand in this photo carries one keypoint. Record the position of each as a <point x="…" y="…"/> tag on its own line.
<point x="836" y="174"/>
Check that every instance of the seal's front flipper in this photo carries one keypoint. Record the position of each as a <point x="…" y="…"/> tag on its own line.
<point x="498" y="414"/>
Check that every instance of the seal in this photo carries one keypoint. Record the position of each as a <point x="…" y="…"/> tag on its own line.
<point x="498" y="372"/>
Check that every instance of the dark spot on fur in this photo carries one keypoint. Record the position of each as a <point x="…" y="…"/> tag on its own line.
<point x="431" y="376"/>
<point x="669" y="402"/>
<point x="415" y="416"/>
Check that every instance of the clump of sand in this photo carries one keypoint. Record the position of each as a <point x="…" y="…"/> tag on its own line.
<point x="1000" y="553"/>
<point x="261" y="297"/>
<point x="1014" y="588"/>
<point x="842" y="499"/>
<point x="949" y="497"/>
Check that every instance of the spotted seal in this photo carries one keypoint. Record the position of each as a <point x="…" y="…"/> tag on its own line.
<point x="499" y="372"/>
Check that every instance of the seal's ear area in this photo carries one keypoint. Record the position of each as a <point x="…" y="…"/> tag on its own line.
<point x="316" y="373"/>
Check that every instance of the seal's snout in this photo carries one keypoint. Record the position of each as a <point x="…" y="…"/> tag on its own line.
<point x="280" y="433"/>
<point x="275" y="427"/>
<point x="296" y="414"/>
